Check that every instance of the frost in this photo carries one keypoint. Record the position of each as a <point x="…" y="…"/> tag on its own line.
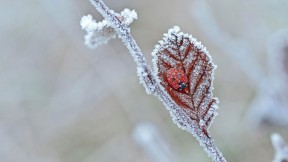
<point x="182" y="51"/>
<point x="87" y="23"/>
<point x="194" y="108"/>
<point x="270" y="106"/>
<point x="144" y="79"/>
<point x="186" y="120"/>
<point x="142" y="74"/>
<point x="183" y="121"/>
<point x="280" y="147"/>
<point x="128" y="16"/>
<point x="98" y="33"/>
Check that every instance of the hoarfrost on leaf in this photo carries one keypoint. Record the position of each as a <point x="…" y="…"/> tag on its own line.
<point x="192" y="107"/>
<point x="186" y="118"/>
<point x="183" y="52"/>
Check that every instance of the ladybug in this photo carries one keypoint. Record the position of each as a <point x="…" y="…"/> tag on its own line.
<point x="177" y="79"/>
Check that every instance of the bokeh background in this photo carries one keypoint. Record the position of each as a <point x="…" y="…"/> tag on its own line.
<point x="63" y="102"/>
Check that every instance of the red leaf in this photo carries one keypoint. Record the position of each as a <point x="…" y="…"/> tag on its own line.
<point x="180" y="57"/>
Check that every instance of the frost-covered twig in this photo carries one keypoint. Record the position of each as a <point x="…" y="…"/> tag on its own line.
<point x="101" y="32"/>
<point x="280" y="147"/>
<point x="194" y="121"/>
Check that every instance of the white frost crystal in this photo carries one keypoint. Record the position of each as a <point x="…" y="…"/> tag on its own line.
<point x="101" y="32"/>
<point x="128" y="16"/>
<point x="87" y="23"/>
<point x="178" y="114"/>
<point x="280" y="147"/>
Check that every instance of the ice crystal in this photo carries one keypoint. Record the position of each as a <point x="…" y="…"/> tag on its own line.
<point x="237" y="49"/>
<point x="101" y="32"/>
<point x="143" y="75"/>
<point x="280" y="147"/>
<point x="182" y="51"/>
<point x="87" y="23"/>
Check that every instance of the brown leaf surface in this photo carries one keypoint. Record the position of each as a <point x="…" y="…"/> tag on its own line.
<point x="182" y="52"/>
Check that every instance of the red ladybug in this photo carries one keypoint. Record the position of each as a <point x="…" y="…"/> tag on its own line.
<point x="177" y="78"/>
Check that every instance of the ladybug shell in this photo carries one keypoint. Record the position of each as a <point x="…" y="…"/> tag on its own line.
<point x="176" y="78"/>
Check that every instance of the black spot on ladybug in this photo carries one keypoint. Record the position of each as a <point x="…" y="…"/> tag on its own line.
<point x="182" y="86"/>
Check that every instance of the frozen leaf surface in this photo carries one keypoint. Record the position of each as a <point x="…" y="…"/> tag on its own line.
<point x="185" y="70"/>
<point x="195" y="117"/>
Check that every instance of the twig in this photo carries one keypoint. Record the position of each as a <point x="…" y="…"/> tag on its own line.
<point x="280" y="147"/>
<point x="149" y="82"/>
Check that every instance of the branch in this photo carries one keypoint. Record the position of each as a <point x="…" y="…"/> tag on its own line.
<point x="280" y="147"/>
<point x="179" y="116"/>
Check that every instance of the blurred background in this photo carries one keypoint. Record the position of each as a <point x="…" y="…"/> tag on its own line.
<point x="63" y="102"/>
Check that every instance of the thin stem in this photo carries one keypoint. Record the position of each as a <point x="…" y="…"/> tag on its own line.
<point x="150" y="83"/>
<point x="124" y="33"/>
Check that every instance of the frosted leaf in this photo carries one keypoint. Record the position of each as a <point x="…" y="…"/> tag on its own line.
<point x="280" y="147"/>
<point x="180" y="115"/>
<point x="180" y="57"/>
<point x="98" y="33"/>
